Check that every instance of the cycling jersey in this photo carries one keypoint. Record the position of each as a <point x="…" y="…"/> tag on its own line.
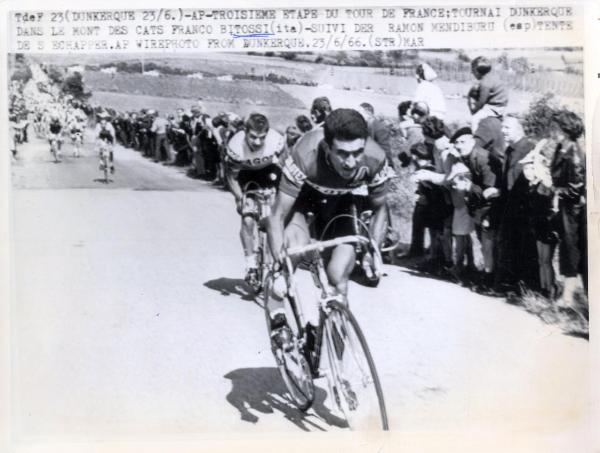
<point x="308" y="166"/>
<point x="55" y="127"/>
<point x="105" y="133"/>
<point x="240" y="157"/>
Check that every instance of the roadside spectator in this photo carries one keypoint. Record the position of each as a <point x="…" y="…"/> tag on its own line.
<point x="491" y="94"/>
<point x="568" y="177"/>
<point x="321" y="108"/>
<point x="516" y="253"/>
<point x="462" y="222"/>
<point x="379" y="129"/>
<point x="404" y="117"/>
<point x="433" y="208"/>
<point x="540" y="215"/>
<point x="303" y="124"/>
<point x="292" y="135"/>
<point x="483" y="191"/>
<point x="488" y="133"/>
<point x="412" y="129"/>
<point x="437" y="142"/>
<point x="429" y="92"/>
<point x="159" y="129"/>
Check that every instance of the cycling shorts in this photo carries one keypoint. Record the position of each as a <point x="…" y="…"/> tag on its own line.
<point x="319" y="210"/>
<point x="264" y="178"/>
<point x="51" y="137"/>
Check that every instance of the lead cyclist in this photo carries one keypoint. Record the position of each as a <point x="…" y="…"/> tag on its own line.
<point x="319" y="176"/>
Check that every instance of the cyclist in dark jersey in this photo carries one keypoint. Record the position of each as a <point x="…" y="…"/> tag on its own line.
<point x="324" y="169"/>
<point x="55" y="130"/>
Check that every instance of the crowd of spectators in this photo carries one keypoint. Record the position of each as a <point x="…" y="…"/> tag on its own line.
<point x="484" y="183"/>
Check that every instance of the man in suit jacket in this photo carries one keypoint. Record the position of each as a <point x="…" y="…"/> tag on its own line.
<point x="483" y="190"/>
<point x="517" y="255"/>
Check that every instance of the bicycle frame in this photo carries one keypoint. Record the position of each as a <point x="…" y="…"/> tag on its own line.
<point x="317" y="270"/>
<point x="264" y="199"/>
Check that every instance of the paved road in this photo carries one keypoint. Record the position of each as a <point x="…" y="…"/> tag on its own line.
<point x="130" y="319"/>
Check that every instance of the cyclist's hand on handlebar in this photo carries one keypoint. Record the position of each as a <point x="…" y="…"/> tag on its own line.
<point x="239" y="206"/>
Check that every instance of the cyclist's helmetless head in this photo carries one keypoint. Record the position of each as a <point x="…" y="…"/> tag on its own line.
<point x="346" y="134"/>
<point x="256" y="128"/>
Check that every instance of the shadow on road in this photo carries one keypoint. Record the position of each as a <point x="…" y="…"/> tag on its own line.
<point x="228" y="286"/>
<point x="262" y="390"/>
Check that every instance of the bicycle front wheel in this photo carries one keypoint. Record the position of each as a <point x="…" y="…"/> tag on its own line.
<point x="292" y="364"/>
<point x="354" y="382"/>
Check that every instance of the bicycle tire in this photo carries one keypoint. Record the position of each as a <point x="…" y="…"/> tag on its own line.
<point x="341" y="323"/>
<point x="105" y="165"/>
<point x="301" y="391"/>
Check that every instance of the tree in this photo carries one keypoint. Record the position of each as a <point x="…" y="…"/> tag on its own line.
<point x="21" y="72"/>
<point x="74" y="86"/>
<point x="55" y="74"/>
<point x="537" y="120"/>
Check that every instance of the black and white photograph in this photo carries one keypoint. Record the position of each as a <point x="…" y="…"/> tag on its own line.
<point x="268" y="241"/>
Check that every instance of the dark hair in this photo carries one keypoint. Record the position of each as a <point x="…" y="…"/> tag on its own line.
<point x="345" y="124"/>
<point x="421" y="151"/>
<point x="321" y="104"/>
<point x="404" y="107"/>
<point x="434" y="127"/>
<point x="257" y="122"/>
<point x="569" y="123"/>
<point x="220" y="120"/>
<point x="420" y="72"/>
<point x="481" y="66"/>
<point x="368" y="107"/>
<point x="303" y="123"/>
<point x="420" y="108"/>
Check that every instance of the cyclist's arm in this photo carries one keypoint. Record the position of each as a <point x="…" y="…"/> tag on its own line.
<point x="377" y="225"/>
<point x="275" y="222"/>
<point x="234" y="185"/>
<point x="378" y="189"/>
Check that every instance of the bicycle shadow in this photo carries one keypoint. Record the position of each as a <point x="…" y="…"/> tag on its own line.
<point x="228" y="286"/>
<point x="262" y="390"/>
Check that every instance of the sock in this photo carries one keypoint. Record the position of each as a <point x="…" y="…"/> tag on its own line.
<point x="251" y="262"/>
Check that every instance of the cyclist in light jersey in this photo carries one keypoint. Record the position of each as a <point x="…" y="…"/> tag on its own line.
<point x="105" y="132"/>
<point x="252" y="155"/>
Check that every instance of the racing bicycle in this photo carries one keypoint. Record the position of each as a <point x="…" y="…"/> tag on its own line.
<point x="264" y="200"/>
<point x="106" y="162"/>
<point x="77" y="142"/>
<point x="335" y="349"/>
<point x="369" y="261"/>
<point x="55" y="147"/>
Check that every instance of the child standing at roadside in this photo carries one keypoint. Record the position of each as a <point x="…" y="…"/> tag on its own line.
<point x="462" y="222"/>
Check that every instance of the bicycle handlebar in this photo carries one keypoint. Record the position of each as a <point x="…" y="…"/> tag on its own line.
<point x="259" y="193"/>
<point x="322" y="245"/>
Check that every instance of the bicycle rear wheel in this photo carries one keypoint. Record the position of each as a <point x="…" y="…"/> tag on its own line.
<point x="105" y="168"/>
<point x="353" y="378"/>
<point x="293" y="366"/>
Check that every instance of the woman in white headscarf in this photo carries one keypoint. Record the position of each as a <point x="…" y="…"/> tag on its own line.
<point x="429" y="92"/>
